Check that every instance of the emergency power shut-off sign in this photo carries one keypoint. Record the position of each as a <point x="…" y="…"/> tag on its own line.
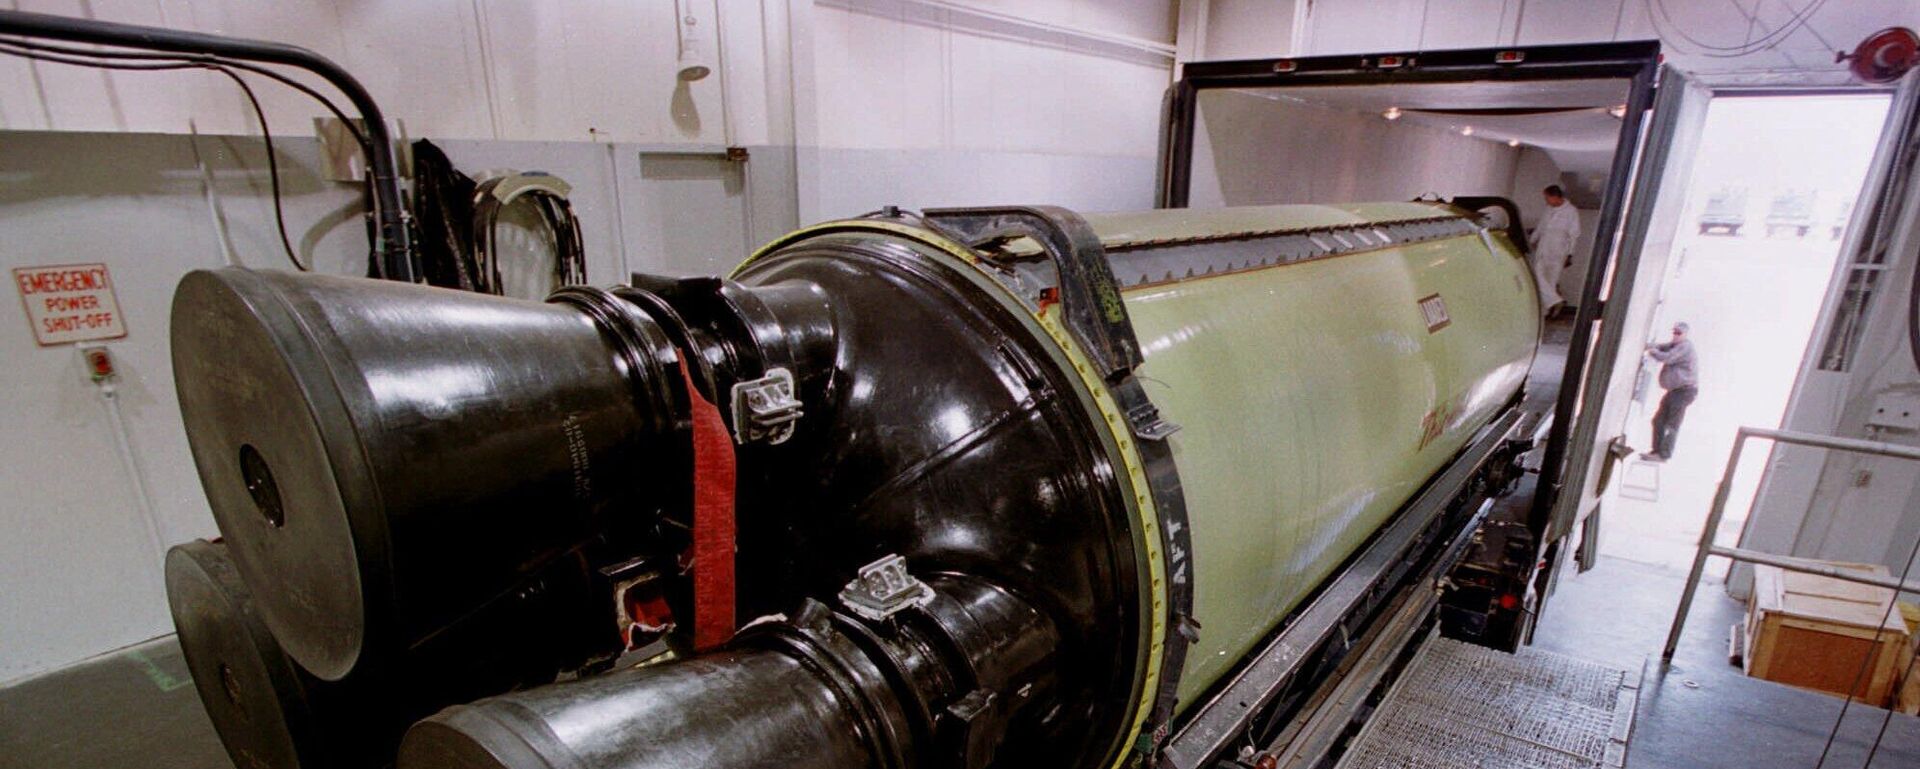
<point x="69" y="303"/>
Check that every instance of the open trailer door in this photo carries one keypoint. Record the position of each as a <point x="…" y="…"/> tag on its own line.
<point x="1864" y="286"/>
<point x="1617" y="313"/>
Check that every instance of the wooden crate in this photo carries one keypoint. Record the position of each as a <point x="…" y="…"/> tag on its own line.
<point x="1813" y="632"/>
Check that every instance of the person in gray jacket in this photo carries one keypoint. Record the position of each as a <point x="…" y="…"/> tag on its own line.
<point x="1680" y="377"/>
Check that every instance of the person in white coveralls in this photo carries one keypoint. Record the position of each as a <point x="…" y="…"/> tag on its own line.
<point x="1552" y="244"/>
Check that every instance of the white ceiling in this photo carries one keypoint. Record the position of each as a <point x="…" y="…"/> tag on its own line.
<point x="1481" y="95"/>
<point x="1712" y="36"/>
<point x="1580" y="135"/>
<point x="1793" y="39"/>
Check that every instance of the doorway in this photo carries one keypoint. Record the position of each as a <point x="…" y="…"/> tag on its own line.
<point x="1767" y="202"/>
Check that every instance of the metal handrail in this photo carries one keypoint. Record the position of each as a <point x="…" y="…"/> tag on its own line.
<point x="1707" y="548"/>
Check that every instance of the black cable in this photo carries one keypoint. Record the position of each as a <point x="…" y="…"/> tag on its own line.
<point x="1913" y="338"/>
<point x="199" y="60"/>
<point x="1766" y="42"/>
<point x="273" y="167"/>
<point x="1888" y="718"/>
<point x="359" y="136"/>
<point x="15" y="49"/>
<point x="569" y="255"/>
<point x="266" y="134"/>
<point x="90" y="57"/>
<point x="1913" y="349"/>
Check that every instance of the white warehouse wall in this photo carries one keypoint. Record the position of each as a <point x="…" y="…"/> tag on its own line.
<point x="920" y="104"/>
<point x="888" y="101"/>
<point x="1243" y="29"/>
<point x="501" y="69"/>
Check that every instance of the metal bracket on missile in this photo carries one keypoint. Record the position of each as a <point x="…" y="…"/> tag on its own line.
<point x="765" y="408"/>
<point x="1089" y="296"/>
<point x="1516" y="233"/>
<point x="885" y="588"/>
<point x="1165" y="260"/>
<point x="1097" y="317"/>
<point x="695" y="302"/>
<point x="1083" y="281"/>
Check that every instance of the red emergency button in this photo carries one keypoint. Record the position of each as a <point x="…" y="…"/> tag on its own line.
<point x="99" y="363"/>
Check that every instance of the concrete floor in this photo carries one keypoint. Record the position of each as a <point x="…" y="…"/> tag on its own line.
<point x="132" y="708"/>
<point x="1703" y="713"/>
<point x="1619" y="613"/>
<point x="1716" y="718"/>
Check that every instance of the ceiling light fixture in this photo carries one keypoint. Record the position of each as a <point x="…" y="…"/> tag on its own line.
<point x="1618" y="110"/>
<point x="1513" y="142"/>
<point x="1392" y="113"/>
<point x="1466" y="131"/>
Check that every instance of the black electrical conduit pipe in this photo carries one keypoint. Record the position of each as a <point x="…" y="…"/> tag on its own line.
<point x="394" y="245"/>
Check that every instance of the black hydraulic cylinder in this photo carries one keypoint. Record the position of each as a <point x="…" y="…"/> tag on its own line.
<point x="945" y="679"/>
<point x="753" y="709"/>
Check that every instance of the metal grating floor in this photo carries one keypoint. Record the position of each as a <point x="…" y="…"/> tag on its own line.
<point x="1470" y="707"/>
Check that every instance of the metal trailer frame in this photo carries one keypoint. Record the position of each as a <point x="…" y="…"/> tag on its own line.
<point x="1707" y="548"/>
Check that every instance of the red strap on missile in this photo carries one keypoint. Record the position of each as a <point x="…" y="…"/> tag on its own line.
<point x="713" y="525"/>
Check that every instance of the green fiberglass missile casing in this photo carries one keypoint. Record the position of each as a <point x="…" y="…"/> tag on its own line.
<point x="1315" y="398"/>
<point x="981" y="487"/>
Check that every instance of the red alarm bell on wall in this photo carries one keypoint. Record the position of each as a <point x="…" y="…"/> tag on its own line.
<point x="1884" y="56"/>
